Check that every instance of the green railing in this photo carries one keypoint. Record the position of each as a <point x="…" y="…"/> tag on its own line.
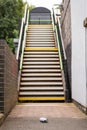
<point x="62" y="55"/>
<point x="22" y="35"/>
<point x="22" y="41"/>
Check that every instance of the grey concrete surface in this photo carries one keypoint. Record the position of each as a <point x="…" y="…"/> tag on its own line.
<point x="53" y="124"/>
<point x="60" y="116"/>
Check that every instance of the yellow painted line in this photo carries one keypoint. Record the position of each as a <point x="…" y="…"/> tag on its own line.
<point x="40" y="48"/>
<point x="41" y="98"/>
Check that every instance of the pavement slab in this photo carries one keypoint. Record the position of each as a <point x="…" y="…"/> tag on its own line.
<point x="61" y="116"/>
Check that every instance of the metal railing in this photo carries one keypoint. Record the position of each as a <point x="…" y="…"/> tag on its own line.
<point x="22" y="41"/>
<point x="62" y="55"/>
<point x="21" y="36"/>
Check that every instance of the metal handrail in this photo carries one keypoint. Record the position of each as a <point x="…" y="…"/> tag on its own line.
<point x="62" y="56"/>
<point x="22" y="42"/>
<point x="21" y="32"/>
<point x="61" y="39"/>
<point x="56" y="37"/>
<point x="24" y="38"/>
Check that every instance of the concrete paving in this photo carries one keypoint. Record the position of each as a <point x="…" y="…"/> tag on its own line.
<point x="61" y="116"/>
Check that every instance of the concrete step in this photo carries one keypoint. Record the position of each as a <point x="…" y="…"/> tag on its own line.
<point x="40" y="40"/>
<point x="41" y="79"/>
<point x="40" y="56"/>
<point x="40" y="33"/>
<point x="36" y="35"/>
<point x="41" y="70"/>
<point x="41" y="93"/>
<point x="36" y="45"/>
<point x="41" y="98"/>
<point x="41" y="88"/>
<point x="37" y="42"/>
<point x="41" y="59"/>
<point x="40" y="53"/>
<point x="41" y="66"/>
<point x="41" y="49"/>
<point x="41" y="83"/>
<point x="37" y="38"/>
<point x="40" y="29"/>
<point x="41" y="75"/>
<point x="39" y="25"/>
<point x="41" y="63"/>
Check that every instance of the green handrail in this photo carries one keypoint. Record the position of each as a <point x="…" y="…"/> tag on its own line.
<point x="60" y="56"/>
<point x="23" y="43"/>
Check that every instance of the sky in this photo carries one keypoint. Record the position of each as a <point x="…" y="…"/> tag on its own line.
<point x="44" y="3"/>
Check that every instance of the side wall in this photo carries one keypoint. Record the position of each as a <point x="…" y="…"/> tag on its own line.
<point x="66" y="32"/>
<point x="78" y="51"/>
<point x="75" y="40"/>
<point x="8" y="78"/>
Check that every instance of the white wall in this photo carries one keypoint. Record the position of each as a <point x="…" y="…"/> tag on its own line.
<point x="78" y="14"/>
<point x="86" y="48"/>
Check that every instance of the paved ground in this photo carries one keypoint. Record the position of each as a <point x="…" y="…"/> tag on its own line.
<point x="61" y="116"/>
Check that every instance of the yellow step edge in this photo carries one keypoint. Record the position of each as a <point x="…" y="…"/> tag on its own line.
<point x="40" y="48"/>
<point x="41" y="98"/>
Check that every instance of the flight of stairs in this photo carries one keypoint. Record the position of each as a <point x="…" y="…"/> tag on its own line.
<point x="41" y="77"/>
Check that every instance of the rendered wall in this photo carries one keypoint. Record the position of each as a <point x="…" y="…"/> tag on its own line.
<point x="78" y="14"/>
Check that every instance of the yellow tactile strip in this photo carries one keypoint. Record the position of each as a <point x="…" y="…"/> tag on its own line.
<point x="41" y="98"/>
<point x="40" y="48"/>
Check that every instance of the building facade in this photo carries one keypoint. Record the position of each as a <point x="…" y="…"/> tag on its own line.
<point x="75" y="40"/>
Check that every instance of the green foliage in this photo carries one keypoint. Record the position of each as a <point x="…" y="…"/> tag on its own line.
<point x="11" y="44"/>
<point x="11" y="11"/>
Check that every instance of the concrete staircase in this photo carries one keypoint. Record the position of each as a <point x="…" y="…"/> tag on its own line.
<point x="41" y="78"/>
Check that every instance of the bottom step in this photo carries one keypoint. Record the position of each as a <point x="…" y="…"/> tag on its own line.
<point x="41" y="99"/>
